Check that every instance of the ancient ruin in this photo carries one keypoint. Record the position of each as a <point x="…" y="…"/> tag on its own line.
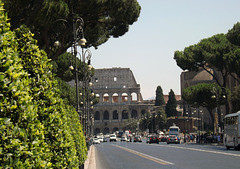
<point x="119" y="99"/>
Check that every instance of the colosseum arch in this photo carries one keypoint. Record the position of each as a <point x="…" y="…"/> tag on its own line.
<point x="106" y="115"/>
<point x="96" y="131"/>
<point x="115" y="98"/>
<point x="125" y="114"/>
<point x="98" y="97"/>
<point x="105" y="130"/>
<point x="115" y="115"/>
<point x="106" y="97"/>
<point x="134" y="114"/>
<point x="134" y="97"/>
<point x="124" y="97"/>
<point x="115" y="129"/>
<point x="97" y="115"/>
<point x="143" y="112"/>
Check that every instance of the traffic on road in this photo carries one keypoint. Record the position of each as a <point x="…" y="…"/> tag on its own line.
<point x="141" y="155"/>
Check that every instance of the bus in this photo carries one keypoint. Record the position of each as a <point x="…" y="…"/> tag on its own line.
<point x="231" y="135"/>
<point x="174" y="130"/>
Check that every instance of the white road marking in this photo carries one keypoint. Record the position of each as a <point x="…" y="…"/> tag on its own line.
<point x="207" y="151"/>
<point x="145" y="155"/>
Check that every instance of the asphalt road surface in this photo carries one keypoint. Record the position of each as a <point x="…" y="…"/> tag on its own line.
<point x="129" y="155"/>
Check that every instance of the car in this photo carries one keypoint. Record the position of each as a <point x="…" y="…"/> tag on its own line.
<point x="173" y="139"/>
<point x="107" y="135"/>
<point x="153" y="139"/>
<point x="96" y="141"/>
<point x="113" y="137"/>
<point x="147" y="139"/>
<point x="124" y="138"/>
<point x="163" y="138"/>
<point x="105" y="139"/>
<point x="137" y="139"/>
<point x="100" y="138"/>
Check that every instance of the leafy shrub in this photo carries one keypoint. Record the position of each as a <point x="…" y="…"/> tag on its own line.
<point x="36" y="127"/>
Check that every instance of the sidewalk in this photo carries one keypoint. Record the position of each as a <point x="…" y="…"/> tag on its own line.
<point x="213" y="144"/>
<point x="90" y="163"/>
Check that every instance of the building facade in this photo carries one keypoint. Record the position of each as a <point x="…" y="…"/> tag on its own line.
<point x="119" y="99"/>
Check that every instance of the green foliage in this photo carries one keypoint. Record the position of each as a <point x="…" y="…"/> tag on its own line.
<point x="130" y="124"/>
<point x="103" y="19"/>
<point x="68" y="93"/>
<point x="161" y="119"/>
<point x="21" y="133"/>
<point x="37" y="129"/>
<point x="159" y="97"/>
<point x="235" y="98"/>
<point x="233" y="34"/>
<point x="171" y="105"/>
<point x="201" y="95"/>
<point x="216" y="53"/>
<point x="61" y="66"/>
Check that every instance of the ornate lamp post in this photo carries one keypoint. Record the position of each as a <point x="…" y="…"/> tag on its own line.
<point x="217" y="96"/>
<point x="79" y="40"/>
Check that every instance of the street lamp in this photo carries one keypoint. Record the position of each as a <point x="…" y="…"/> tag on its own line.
<point x="79" y="40"/>
<point x="215" y="92"/>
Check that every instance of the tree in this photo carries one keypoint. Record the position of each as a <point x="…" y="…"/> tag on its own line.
<point x="201" y="95"/>
<point x="215" y="53"/>
<point x="161" y="119"/>
<point x="235" y="98"/>
<point x="171" y="105"/>
<point x="159" y="97"/>
<point x="233" y="36"/>
<point x="103" y="19"/>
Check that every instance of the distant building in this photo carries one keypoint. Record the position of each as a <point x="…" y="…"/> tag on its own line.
<point x="119" y="99"/>
<point x="191" y="78"/>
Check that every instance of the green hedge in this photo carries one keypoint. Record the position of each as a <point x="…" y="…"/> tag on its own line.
<point x="37" y="130"/>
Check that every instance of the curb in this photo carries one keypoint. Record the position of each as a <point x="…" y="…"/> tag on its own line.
<point x="90" y="163"/>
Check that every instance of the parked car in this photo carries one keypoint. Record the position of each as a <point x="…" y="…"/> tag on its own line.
<point x="112" y="137"/>
<point x="96" y="141"/>
<point x="173" y="139"/>
<point x="137" y="139"/>
<point x="153" y="139"/>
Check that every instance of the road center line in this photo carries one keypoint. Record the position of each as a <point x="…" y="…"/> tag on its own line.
<point x="157" y="160"/>
<point x="207" y="151"/>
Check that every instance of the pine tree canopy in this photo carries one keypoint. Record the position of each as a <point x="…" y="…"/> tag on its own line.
<point x="102" y="19"/>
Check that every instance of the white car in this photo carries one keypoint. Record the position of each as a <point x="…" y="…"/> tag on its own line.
<point x="113" y="137"/>
<point x="124" y="138"/>
<point x="100" y="138"/>
<point x="96" y="141"/>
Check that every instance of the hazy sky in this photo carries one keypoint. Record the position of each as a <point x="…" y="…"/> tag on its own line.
<point x="163" y="27"/>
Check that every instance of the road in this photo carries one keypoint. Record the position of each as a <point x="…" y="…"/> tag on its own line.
<point x="129" y="155"/>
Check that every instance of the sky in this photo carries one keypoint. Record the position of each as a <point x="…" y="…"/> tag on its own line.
<point x="165" y="26"/>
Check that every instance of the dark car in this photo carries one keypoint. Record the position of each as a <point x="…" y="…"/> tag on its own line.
<point x="153" y="139"/>
<point x="163" y="138"/>
<point x="137" y="139"/>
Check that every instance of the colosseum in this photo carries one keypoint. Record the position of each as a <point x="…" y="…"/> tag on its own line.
<point x="119" y="99"/>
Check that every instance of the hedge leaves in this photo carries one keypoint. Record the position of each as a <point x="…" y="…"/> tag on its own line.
<point x="37" y="130"/>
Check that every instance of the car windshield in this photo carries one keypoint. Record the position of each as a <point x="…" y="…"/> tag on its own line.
<point x="112" y="135"/>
